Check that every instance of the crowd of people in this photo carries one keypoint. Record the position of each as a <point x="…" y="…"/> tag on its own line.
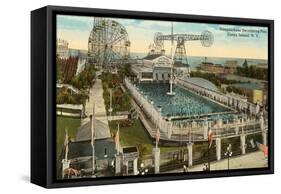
<point x="183" y="103"/>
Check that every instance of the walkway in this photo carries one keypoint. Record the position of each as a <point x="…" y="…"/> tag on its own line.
<point x="96" y="95"/>
<point x="251" y="160"/>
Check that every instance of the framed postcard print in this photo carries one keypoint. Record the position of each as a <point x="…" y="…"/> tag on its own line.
<point x="125" y="96"/>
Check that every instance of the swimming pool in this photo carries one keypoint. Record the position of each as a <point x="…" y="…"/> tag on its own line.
<point x="183" y="103"/>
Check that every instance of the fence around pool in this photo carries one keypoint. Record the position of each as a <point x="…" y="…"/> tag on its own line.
<point x="191" y="127"/>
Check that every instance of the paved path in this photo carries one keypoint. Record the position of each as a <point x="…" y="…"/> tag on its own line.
<point x="251" y="160"/>
<point x="96" y="95"/>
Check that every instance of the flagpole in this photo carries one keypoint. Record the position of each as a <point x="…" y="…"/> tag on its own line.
<point x="66" y="144"/>
<point x="93" y="136"/>
<point x="208" y="152"/>
<point x="156" y="142"/>
<point x="92" y="143"/>
<point x="209" y="163"/>
<point x="118" y="143"/>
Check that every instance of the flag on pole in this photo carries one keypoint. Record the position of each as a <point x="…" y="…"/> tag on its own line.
<point x="211" y="137"/>
<point x="93" y="121"/>
<point x="66" y="137"/>
<point x="157" y="137"/>
<point x="66" y="143"/>
<point x="117" y="142"/>
<point x="263" y="148"/>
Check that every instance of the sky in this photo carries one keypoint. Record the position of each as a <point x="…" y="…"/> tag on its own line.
<point x="228" y="41"/>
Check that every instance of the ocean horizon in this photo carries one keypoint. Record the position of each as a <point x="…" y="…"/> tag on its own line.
<point x="195" y="61"/>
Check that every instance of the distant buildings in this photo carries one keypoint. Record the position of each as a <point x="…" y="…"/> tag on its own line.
<point x="71" y="61"/>
<point x="211" y="67"/>
<point x="253" y="91"/>
<point x="230" y="67"/>
<point x="62" y="48"/>
<point x="262" y="65"/>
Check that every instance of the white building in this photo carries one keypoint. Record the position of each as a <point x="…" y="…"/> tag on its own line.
<point x="62" y="48"/>
<point x="155" y="67"/>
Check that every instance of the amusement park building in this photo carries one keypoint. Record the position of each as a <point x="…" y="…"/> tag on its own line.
<point x="81" y="152"/>
<point x="98" y="154"/>
<point x="155" y="67"/>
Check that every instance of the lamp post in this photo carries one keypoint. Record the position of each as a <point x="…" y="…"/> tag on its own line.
<point x="208" y="167"/>
<point x="110" y="104"/>
<point x="228" y="153"/>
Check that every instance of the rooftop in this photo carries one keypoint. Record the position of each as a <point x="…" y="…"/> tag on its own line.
<point x="153" y="56"/>
<point x="180" y="64"/>
<point x="101" y="131"/>
<point x="254" y="86"/>
<point x="103" y="148"/>
<point x="202" y="83"/>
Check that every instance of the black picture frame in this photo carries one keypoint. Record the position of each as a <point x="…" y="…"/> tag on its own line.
<point x="43" y="80"/>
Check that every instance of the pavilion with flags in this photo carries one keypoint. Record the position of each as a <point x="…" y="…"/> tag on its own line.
<point x="92" y="138"/>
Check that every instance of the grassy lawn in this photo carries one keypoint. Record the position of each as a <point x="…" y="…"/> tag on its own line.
<point x="136" y="135"/>
<point x="72" y="125"/>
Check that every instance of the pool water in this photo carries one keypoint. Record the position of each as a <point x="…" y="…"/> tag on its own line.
<point x="183" y="103"/>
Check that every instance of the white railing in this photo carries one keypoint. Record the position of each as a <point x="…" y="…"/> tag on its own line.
<point x="234" y="128"/>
